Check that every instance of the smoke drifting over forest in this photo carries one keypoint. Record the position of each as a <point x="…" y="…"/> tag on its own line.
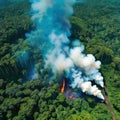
<point x="52" y="36"/>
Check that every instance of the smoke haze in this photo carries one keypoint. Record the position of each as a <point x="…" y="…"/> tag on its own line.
<point x="51" y="35"/>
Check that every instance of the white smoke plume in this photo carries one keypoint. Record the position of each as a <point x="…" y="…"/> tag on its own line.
<point x="53" y="29"/>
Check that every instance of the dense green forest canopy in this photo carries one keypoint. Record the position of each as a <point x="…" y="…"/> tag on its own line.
<point x="97" y="24"/>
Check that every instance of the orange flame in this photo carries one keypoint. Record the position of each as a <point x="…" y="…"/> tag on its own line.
<point x="63" y="87"/>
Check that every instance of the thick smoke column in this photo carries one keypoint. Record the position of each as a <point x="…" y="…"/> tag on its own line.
<point x="51" y="34"/>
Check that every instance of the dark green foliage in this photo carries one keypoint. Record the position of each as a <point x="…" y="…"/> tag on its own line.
<point x="96" y="23"/>
<point x="102" y="40"/>
<point x="14" y="23"/>
<point x="33" y="100"/>
<point x="116" y="63"/>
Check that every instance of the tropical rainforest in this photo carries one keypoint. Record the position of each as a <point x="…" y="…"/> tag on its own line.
<point x="97" y="24"/>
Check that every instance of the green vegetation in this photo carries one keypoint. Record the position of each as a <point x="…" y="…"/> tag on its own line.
<point x="14" y="23"/>
<point x="33" y="100"/>
<point x="96" y="23"/>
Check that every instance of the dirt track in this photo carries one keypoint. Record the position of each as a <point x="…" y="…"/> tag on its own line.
<point x="109" y="105"/>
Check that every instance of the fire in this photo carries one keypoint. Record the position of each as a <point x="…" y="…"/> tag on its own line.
<point x="71" y="96"/>
<point x="63" y="87"/>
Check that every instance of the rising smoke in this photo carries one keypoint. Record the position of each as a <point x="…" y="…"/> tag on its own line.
<point x="51" y="34"/>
